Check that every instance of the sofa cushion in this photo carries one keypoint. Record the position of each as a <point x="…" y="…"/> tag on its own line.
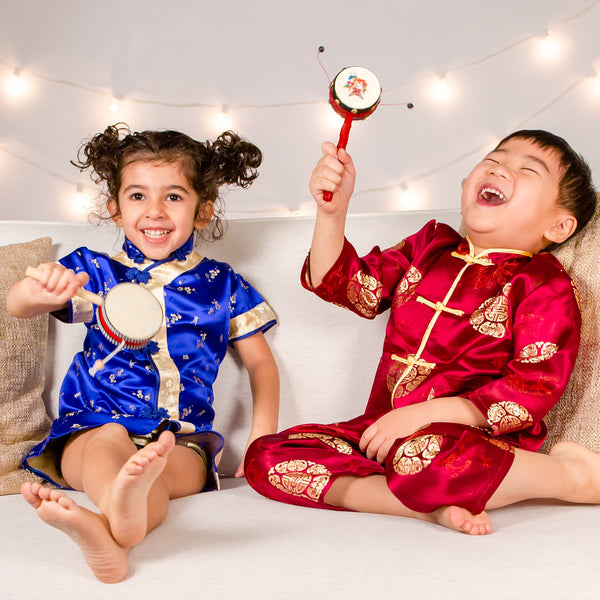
<point x="576" y="417"/>
<point x="23" y="419"/>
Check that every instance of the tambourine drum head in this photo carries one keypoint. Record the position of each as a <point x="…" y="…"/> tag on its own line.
<point x="133" y="312"/>
<point x="355" y="90"/>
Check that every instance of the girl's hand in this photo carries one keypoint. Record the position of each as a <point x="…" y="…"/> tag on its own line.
<point x="334" y="173"/>
<point x="254" y="435"/>
<point x="30" y="297"/>
<point x="57" y="283"/>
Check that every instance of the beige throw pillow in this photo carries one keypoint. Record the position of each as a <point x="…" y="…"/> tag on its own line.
<point x="576" y="417"/>
<point x="23" y="419"/>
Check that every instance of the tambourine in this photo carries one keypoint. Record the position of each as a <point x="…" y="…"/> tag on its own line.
<point x="129" y="316"/>
<point x="354" y="94"/>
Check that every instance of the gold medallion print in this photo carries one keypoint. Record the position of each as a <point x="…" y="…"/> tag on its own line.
<point x="407" y="285"/>
<point x="364" y="292"/>
<point x="416" y="454"/>
<point x="403" y="379"/>
<point x="338" y="444"/>
<point x="300" y="478"/>
<point x="508" y="416"/>
<point x="490" y="318"/>
<point x="538" y="352"/>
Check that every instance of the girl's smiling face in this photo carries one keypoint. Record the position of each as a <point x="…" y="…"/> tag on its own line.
<point x="509" y="199"/>
<point x="157" y="207"/>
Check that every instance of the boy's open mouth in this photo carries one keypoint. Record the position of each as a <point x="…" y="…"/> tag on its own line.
<point x="492" y="197"/>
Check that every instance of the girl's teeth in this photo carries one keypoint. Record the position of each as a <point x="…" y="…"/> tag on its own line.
<point x="155" y="234"/>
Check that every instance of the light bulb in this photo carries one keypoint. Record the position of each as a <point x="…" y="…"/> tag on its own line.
<point x="441" y="89"/>
<point x="549" y="47"/>
<point x="16" y="84"/>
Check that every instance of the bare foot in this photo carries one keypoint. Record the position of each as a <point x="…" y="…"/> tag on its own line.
<point x="582" y="468"/>
<point x="463" y="520"/>
<point x="126" y="505"/>
<point x="87" y="529"/>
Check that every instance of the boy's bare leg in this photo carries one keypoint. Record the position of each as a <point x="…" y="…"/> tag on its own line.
<point x="371" y="494"/>
<point x="89" y="530"/>
<point x="570" y="473"/>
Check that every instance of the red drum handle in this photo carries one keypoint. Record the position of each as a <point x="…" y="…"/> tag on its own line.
<point x="342" y="143"/>
<point x="81" y="292"/>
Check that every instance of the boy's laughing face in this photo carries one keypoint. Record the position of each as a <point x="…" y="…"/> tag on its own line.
<point x="509" y="200"/>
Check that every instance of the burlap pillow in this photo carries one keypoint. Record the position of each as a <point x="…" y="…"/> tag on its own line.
<point x="577" y="415"/>
<point x="23" y="419"/>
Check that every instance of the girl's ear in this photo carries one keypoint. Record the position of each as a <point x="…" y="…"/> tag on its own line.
<point x="113" y="211"/>
<point x="204" y="214"/>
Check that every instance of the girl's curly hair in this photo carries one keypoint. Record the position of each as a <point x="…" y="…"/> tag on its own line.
<point x="228" y="160"/>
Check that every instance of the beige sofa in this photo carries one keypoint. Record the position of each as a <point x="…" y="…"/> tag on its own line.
<point x="237" y="544"/>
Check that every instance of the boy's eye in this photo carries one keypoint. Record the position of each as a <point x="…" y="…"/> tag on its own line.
<point x="137" y="196"/>
<point x="489" y="159"/>
<point x="173" y="197"/>
<point x="530" y="170"/>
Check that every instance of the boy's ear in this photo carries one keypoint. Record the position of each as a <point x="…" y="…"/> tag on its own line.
<point x="204" y="215"/>
<point x="113" y="211"/>
<point x="562" y="229"/>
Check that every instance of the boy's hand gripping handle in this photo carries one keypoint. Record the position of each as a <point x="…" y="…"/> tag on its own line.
<point x="342" y="143"/>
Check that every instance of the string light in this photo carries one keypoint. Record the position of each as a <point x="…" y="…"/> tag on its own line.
<point x="549" y="47"/>
<point x="223" y="119"/>
<point x="16" y="84"/>
<point x="115" y="103"/>
<point x="442" y="88"/>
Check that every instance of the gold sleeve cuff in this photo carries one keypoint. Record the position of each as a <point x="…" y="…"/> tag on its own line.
<point x="251" y="321"/>
<point x="82" y="310"/>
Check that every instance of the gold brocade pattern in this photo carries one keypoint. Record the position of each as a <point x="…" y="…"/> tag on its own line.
<point x="338" y="444"/>
<point x="407" y="285"/>
<point x="416" y="454"/>
<point x="405" y="377"/>
<point x="364" y="292"/>
<point x="508" y="416"/>
<point x="249" y="321"/>
<point x="169" y="377"/>
<point x="501" y="444"/>
<point x="300" y="478"/>
<point x="538" y="352"/>
<point x="491" y="317"/>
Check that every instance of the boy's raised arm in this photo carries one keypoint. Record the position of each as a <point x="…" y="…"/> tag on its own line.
<point x="334" y="173"/>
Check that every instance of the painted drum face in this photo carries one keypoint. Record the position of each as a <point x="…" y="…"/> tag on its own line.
<point x="355" y="90"/>
<point x="130" y="314"/>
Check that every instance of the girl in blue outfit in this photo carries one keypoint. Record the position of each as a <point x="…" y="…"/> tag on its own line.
<point x="139" y="432"/>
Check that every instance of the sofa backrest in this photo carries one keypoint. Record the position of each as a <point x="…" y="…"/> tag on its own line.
<point x="326" y="355"/>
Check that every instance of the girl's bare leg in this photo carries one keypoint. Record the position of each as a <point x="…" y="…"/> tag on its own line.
<point x="131" y="487"/>
<point x="371" y="494"/>
<point x="89" y="530"/>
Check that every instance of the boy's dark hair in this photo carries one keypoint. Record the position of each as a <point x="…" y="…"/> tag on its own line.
<point x="206" y="165"/>
<point x="576" y="191"/>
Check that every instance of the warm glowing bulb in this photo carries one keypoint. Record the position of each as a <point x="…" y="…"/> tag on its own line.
<point x="114" y="104"/>
<point x="442" y="90"/>
<point x="549" y="47"/>
<point x="223" y="119"/>
<point x="16" y="84"/>
<point x="407" y="198"/>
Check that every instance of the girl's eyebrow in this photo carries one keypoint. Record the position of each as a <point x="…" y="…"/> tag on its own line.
<point x="171" y="187"/>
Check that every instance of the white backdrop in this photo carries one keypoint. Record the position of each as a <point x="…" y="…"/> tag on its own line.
<point x="252" y="66"/>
